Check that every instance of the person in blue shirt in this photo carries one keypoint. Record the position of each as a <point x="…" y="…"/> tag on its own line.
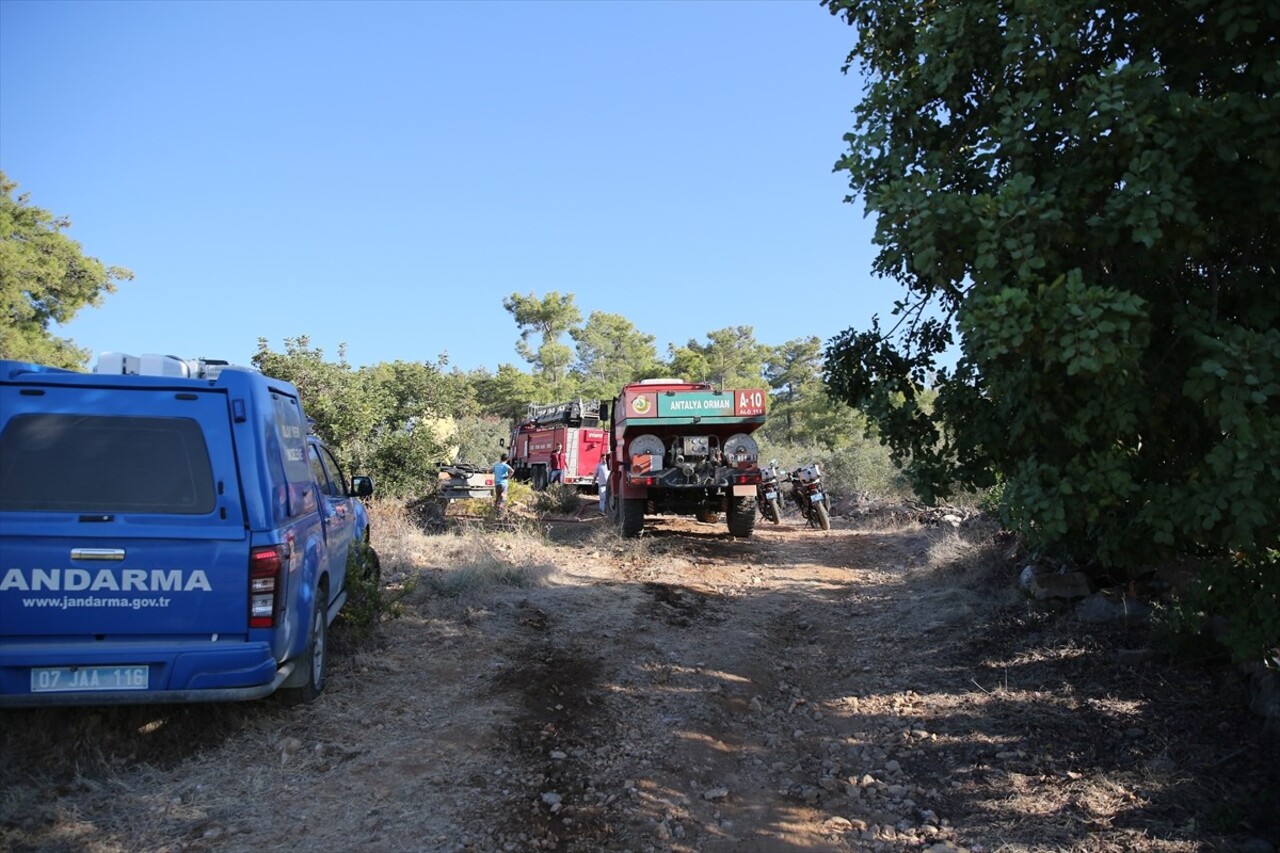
<point x="501" y="473"/>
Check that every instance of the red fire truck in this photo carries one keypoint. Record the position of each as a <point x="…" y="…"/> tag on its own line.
<point x="684" y="448"/>
<point x="575" y="426"/>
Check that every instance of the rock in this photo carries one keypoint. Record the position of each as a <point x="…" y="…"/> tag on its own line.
<point x="1042" y="584"/>
<point x="838" y="824"/>
<point x="289" y="746"/>
<point x="1264" y="693"/>
<point x="892" y="766"/>
<point x="715" y="794"/>
<point x="1102" y="609"/>
<point x="551" y="798"/>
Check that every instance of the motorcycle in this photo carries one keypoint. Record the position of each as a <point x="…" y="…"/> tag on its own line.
<point x="806" y="491"/>
<point x="767" y="494"/>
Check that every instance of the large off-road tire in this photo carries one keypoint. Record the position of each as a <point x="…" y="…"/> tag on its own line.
<point x="631" y="516"/>
<point x="821" y="516"/>
<point x="773" y="511"/>
<point x="742" y="516"/>
<point x="316" y="656"/>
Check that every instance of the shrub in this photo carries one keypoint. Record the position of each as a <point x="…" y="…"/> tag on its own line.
<point x="557" y="499"/>
<point x="368" y="601"/>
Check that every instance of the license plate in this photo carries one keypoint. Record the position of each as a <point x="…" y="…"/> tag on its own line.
<point x="816" y="497"/>
<point x="60" y="679"/>
<point x="770" y="495"/>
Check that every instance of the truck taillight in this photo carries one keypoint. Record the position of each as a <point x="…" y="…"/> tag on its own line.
<point x="746" y="479"/>
<point x="265" y="579"/>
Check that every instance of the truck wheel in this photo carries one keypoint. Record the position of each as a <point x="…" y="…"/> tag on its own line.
<point x="631" y="516"/>
<point x="316" y="656"/>
<point x="773" y="511"/>
<point x="824" y="519"/>
<point x="742" y="516"/>
<point x="539" y="478"/>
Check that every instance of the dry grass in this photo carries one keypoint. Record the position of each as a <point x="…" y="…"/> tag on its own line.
<point x="462" y="562"/>
<point x="959" y="574"/>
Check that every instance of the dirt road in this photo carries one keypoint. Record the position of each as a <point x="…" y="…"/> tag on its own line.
<point x="555" y="687"/>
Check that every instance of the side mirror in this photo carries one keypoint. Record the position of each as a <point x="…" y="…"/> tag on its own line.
<point x="361" y="487"/>
<point x="502" y="442"/>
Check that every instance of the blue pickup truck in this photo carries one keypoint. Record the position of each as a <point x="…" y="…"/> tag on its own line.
<point x="170" y="531"/>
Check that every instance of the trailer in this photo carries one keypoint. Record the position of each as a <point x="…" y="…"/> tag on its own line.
<point x="575" y="425"/>
<point x="465" y="481"/>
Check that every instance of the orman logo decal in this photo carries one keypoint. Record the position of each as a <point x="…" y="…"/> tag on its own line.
<point x="640" y="405"/>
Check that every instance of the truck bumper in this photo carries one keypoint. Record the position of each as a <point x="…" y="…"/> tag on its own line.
<point x="184" y="672"/>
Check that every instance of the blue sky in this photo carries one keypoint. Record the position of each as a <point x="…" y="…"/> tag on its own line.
<point x="384" y="174"/>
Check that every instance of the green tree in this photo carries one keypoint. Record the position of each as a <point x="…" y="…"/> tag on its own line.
<point x="611" y="353"/>
<point x="508" y="392"/>
<point x="550" y="318"/>
<point x="1089" y="194"/>
<point x="481" y="438"/>
<point x="44" y="278"/>
<point x="794" y="373"/>
<point x="380" y="420"/>
<point x="731" y="358"/>
<point x="413" y="425"/>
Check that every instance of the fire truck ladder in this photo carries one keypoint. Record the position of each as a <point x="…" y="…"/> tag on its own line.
<point x="573" y="413"/>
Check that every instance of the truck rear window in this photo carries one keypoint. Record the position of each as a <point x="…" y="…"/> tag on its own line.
<point x="95" y="463"/>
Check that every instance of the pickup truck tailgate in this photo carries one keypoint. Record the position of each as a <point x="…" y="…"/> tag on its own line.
<point x="121" y="524"/>
<point x="73" y="586"/>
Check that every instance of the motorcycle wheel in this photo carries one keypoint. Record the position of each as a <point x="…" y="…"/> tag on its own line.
<point x="773" y="511"/>
<point x="824" y="518"/>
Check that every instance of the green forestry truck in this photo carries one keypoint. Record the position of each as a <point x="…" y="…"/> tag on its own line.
<point x="684" y="448"/>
